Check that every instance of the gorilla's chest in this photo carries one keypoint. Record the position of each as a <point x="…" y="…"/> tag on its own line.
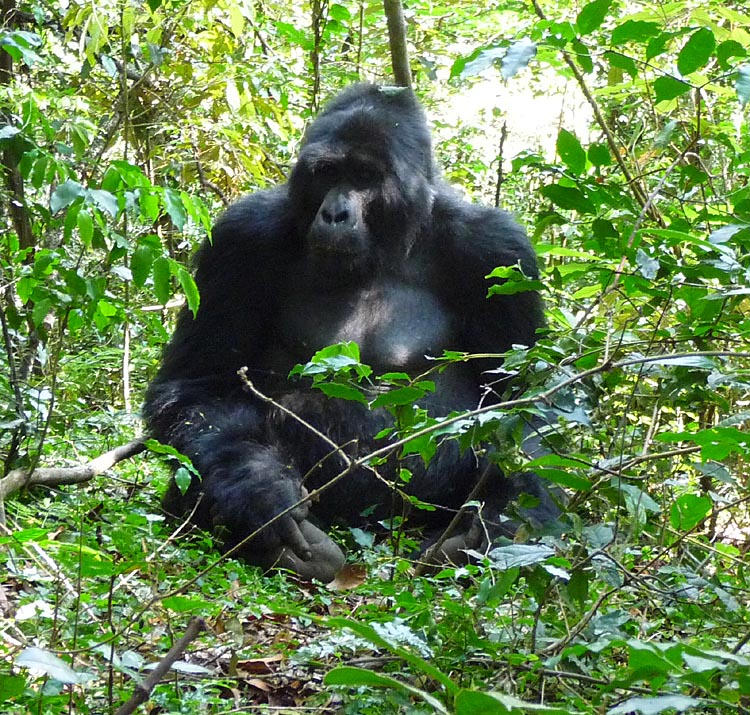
<point x="394" y="324"/>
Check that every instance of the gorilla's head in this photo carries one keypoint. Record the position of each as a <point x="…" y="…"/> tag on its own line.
<point x="363" y="179"/>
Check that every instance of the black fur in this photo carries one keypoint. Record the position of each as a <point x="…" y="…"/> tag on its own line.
<point x="363" y="243"/>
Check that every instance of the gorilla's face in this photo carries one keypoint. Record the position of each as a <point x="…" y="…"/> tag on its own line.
<point x="362" y="185"/>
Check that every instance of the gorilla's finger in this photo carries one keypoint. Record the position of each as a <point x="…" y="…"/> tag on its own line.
<point x="292" y="537"/>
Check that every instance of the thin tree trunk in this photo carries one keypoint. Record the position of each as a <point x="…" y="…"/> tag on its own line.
<point x="394" y="13"/>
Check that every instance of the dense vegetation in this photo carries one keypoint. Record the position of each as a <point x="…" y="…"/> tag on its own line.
<point x="127" y="125"/>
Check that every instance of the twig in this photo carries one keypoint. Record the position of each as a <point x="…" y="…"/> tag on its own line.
<point x="143" y="690"/>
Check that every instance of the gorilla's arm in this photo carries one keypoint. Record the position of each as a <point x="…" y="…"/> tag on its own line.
<point x="196" y="403"/>
<point x="471" y="241"/>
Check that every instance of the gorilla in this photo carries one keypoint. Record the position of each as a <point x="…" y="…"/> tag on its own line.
<point x="364" y="243"/>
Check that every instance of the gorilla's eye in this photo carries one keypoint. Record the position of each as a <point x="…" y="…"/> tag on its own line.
<point x="324" y="171"/>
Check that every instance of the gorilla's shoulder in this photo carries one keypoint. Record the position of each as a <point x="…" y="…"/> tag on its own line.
<point x="484" y="231"/>
<point x="254" y="221"/>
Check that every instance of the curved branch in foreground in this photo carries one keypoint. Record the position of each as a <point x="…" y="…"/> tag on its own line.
<point x="57" y="476"/>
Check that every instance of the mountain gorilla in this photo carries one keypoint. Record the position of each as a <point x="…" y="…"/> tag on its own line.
<point x="366" y="244"/>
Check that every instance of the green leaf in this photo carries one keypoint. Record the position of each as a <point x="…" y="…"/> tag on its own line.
<point x="668" y="87"/>
<point x="360" y="677"/>
<point x="367" y="632"/>
<point x="696" y="52"/>
<point x="162" y="280"/>
<point x="85" y="227"/>
<point x="473" y="702"/>
<point x="592" y="16"/>
<point x="742" y="85"/>
<point x="620" y="61"/>
<point x="400" y="396"/>
<point x="568" y="197"/>
<point x="728" y="49"/>
<point x="175" y="209"/>
<point x="634" y="31"/>
<point x="64" y="195"/>
<point x="183" y="479"/>
<point x="11" y="686"/>
<point x="688" y="511"/>
<point x="571" y="152"/>
<point x="140" y="264"/>
<point x="341" y="391"/>
<point x="187" y="604"/>
<point x="599" y="155"/>
<point x="189" y="288"/>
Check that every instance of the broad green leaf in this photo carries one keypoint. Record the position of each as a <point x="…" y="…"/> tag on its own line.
<point x="568" y="197"/>
<point x="728" y="49"/>
<point x="571" y="152"/>
<point x="189" y="288"/>
<point x="175" y="209"/>
<point x="400" y="396"/>
<point x="366" y="631"/>
<point x="668" y="87"/>
<point x="140" y="264"/>
<point x="162" y="280"/>
<point x="188" y="604"/>
<point x="474" y="702"/>
<point x="599" y="155"/>
<point x="592" y="16"/>
<point x="622" y="61"/>
<point x="688" y="511"/>
<point x="85" y="226"/>
<point x="64" y="195"/>
<point x="634" y="30"/>
<point x="342" y="391"/>
<point x="696" y="52"/>
<point x="106" y="308"/>
<point x="11" y="686"/>
<point x="742" y="85"/>
<point x="340" y="13"/>
<point x="360" y="677"/>
<point x="183" y="479"/>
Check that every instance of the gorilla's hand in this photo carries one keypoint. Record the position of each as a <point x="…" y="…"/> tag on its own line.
<point x="289" y="541"/>
<point x="325" y="557"/>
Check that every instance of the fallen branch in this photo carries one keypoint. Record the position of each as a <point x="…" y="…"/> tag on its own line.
<point x="143" y="690"/>
<point x="57" y="476"/>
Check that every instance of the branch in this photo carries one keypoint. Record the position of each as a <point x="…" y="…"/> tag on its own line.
<point x="143" y="690"/>
<point x="57" y="476"/>
<point x="394" y="13"/>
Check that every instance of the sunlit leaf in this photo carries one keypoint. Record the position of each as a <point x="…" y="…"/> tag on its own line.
<point x="742" y="84"/>
<point x="592" y="15"/>
<point x="518" y="56"/>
